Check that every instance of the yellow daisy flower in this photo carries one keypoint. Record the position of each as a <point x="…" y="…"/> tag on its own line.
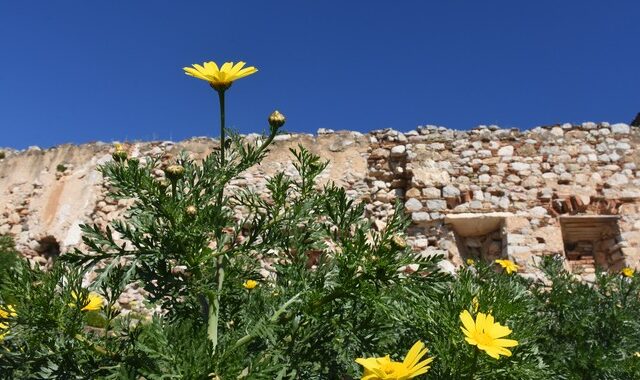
<point x="4" y="330"/>
<point x="250" y="284"/>
<point x="386" y="369"/>
<point x="508" y="265"/>
<point x="486" y="334"/>
<point x="220" y="78"/>
<point x="471" y="262"/>
<point x="7" y="312"/>
<point x="94" y="301"/>
<point x="628" y="272"/>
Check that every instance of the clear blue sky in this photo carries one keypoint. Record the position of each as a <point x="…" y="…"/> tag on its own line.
<point x="79" y="71"/>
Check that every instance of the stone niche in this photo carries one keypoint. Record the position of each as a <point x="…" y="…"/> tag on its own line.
<point x="479" y="236"/>
<point x="592" y="241"/>
<point x="48" y="247"/>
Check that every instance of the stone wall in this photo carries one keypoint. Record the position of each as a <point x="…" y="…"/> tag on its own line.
<point x="500" y="193"/>
<point x="483" y="194"/>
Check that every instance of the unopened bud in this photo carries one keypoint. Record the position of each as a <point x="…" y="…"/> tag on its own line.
<point x="191" y="210"/>
<point x="120" y="154"/>
<point x="164" y="183"/>
<point x="276" y="119"/>
<point x="174" y="172"/>
<point x="399" y="242"/>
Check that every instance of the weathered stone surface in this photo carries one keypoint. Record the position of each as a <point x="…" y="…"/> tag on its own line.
<point x="617" y="180"/>
<point x="398" y="150"/>
<point x="413" y="205"/>
<point x="620" y="128"/>
<point x="436" y="204"/>
<point x="450" y="191"/>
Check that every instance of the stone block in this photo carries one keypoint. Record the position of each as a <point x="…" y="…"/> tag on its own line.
<point x="436" y="204"/>
<point x="420" y="217"/>
<point x="431" y="192"/>
<point x="620" y="128"/>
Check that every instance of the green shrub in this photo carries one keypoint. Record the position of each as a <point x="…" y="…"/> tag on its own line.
<point x="591" y="331"/>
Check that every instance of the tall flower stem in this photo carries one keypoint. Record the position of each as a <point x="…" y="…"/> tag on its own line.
<point x="222" y="127"/>
<point x="214" y="299"/>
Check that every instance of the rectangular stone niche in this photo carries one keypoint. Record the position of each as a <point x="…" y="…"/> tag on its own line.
<point x="592" y="241"/>
<point x="479" y="236"/>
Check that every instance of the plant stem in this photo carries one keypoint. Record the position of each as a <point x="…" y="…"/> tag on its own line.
<point x="474" y="368"/>
<point x="274" y="318"/>
<point x="214" y="306"/>
<point x="214" y="299"/>
<point x="222" y="128"/>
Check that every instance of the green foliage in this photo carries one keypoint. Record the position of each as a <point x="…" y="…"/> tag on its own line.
<point x="50" y="337"/>
<point x="2" y="154"/>
<point x="60" y="168"/>
<point x="332" y="284"/>
<point x="594" y="329"/>
<point x="435" y="318"/>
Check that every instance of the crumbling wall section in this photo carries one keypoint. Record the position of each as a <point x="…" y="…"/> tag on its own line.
<point x="451" y="178"/>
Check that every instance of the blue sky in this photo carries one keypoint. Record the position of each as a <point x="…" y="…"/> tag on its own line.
<point x="80" y="71"/>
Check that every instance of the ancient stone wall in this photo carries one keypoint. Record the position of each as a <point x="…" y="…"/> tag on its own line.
<point x="499" y="193"/>
<point x="483" y="194"/>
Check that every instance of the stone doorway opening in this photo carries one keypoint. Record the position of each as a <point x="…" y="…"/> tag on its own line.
<point x="592" y="241"/>
<point x="479" y="236"/>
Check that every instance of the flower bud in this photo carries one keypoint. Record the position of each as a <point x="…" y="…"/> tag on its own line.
<point x="174" y="172"/>
<point x="276" y="119"/>
<point x="120" y="154"/>
<point x="399" y="242"/>
<point x="163" y="183"/>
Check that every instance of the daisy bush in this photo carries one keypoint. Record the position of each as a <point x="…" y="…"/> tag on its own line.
<point x="334" y="302"/>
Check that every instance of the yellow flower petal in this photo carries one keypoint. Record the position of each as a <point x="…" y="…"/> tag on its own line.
<point x="414" y="354"/>
<point x="385" y="368"/>
<point x="244" y="72"/>
<point x="467" y="320"/>
<point x="220" y="77"/>
<point x="484" y="333"/>
<point x="7" y="311"/>
<point x="237" y="67"/>
<point x="226" y="67"/>
<point x="498" y="331"/>
<point x="93" y="302"/>
<point x="211" y="67"/>
<point x="505" y="342"/>
<point x="508" y="265"/>
<point x="250" y="284"/>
